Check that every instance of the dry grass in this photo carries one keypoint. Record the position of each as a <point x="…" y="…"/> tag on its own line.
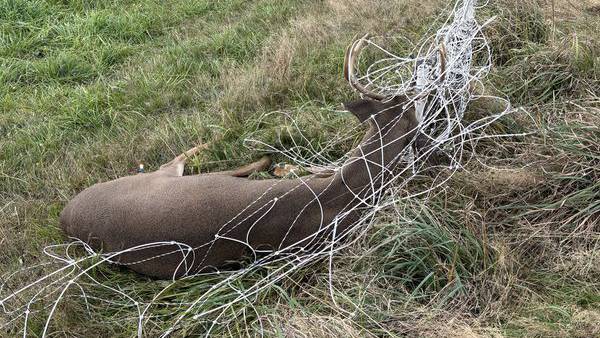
<point x="305" y="59"/>
<point x="289" y="323"/>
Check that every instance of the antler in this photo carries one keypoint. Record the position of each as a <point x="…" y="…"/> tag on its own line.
<point x="352" y="53"/>
<point x="442" y="61"/>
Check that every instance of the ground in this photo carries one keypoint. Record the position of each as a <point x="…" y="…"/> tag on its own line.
<point x="509" y="248"/>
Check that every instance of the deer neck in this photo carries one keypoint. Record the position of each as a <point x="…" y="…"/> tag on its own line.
<point x="370" y="165"/>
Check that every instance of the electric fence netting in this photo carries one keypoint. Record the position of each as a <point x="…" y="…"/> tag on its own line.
<point x="441" y="77"/>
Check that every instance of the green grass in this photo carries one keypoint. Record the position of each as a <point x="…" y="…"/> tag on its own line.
<point x="90" y="89"/>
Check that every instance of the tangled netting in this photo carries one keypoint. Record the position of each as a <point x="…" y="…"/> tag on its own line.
<point x="439" y="80"/>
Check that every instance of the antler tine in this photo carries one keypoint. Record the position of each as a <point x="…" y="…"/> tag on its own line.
<point x="442" y="52"/>
<point x="349" y="61"/>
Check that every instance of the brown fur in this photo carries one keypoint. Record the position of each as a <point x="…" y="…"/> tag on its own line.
<point x="166" y="206"/>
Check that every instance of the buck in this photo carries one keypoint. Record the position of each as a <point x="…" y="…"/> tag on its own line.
<point x="167" y="225"/>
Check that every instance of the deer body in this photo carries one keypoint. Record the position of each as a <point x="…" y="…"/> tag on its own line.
<point x="158" y="207"/>
<point x="179" y="225"/>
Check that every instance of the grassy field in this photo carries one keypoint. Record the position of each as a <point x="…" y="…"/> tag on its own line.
<point x="510" y="248"/>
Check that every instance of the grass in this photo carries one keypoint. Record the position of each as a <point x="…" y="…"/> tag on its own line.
<point x="89" y="89"/>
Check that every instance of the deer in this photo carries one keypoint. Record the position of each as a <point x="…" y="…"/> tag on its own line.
<point x="206" y="221"/>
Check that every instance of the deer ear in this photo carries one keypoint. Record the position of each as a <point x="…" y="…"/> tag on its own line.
<point x="362" y="109"/>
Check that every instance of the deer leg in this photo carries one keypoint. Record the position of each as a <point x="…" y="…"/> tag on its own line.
<point x="244" y="171"/>
<point x="175" y="166"/>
